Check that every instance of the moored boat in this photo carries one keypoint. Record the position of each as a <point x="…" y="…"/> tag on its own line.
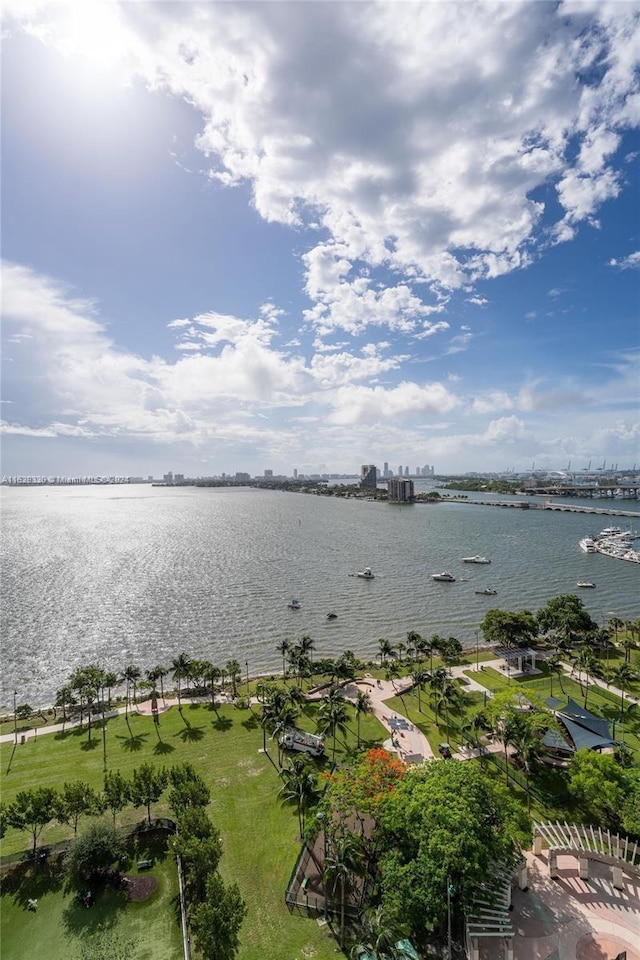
<point x="294" y="604"/>
<point x="475" y="560"/>
<point x="444" y="577"/>
<point x="486" y="592"/>
<point x="365" y="574"/>
<point x="588" y="545"/>
<point x="585" y="583"/>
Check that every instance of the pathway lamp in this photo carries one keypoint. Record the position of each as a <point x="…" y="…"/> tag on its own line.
<point x="246" y="670"/>
<point x="477" y="652"/>
<point x="15" y="718"/>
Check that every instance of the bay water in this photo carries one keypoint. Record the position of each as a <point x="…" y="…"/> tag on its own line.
<point x="137" y="574"/>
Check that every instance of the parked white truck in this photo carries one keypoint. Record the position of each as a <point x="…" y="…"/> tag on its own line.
<point x="302" y="741"/>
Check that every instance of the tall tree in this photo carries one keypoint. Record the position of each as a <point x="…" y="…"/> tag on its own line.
<point x="344" y="860"/>
<point x="147" y="786"/>
<point x="283" y="649"/>
<point x="566" y="615"/>
<point x="180" y="667"/>
<point x="588" y="667"/>
<point x="75" y="800"/>
<point x="131" y="674"/>
<point x="32" y="810"/>
<point x="555" y="669"/>
<point x="91" y="856"/>
<point x="332" y="715"/>
<point x="623" y="676"/>
<point x="508" y="628"/>
<point x="363" y="706"/>
<point x="115" y="793"/>
<point x="299" y="786"/>
<point x="386" y="650"/>
<point x="216" y="922"/>
<point x="233" y="672"/>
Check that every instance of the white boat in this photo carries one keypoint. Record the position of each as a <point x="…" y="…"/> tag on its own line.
<point x="294" y="604"/>
<point x="486" y="592"/>
<point x="444" y="577"/>
<point x="585" y="583"/>
<point x="588" y="545"/>
<point x="475" y="560"/>
<point x="365" y="574"/>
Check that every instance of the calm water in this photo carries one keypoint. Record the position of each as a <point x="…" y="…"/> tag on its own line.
<point x="138" y="574"/>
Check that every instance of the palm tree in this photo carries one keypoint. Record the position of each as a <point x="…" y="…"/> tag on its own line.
<point x="479" y="723"/>
<point x="332" y="715"/>
<point x="587" y="664"/>
<point x="307" y="646"/>
<point x="180" y="667"/>
<point x="233" y="670"/>
<point x="380" y="930"/>
<point x="362" y="706"/>
<point x="300" y="787"/>
<point x="386" y="650"/>
<point x="283" y="649"/>
<point x="524" y="731"/>
<point x="343" y="861"/>
<point x="419" y="678"/>
<point x="622" y="676"/>
<point x="629" y="641"/>
<point x="131" y="674"/>
<point x="211" y="675"/>
<point x="414" y="641"/>
<point x="555" y="668"/>
<point x="110" y="681"/>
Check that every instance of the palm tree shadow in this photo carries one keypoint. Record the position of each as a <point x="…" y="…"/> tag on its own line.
<point x="163" y="747"/>
<point x="90" y="744"/>
<point x="134" y="743"/>
<point x="251" y="722"/>
<point x="190" y="734"/>
<point x="222" y="724"/>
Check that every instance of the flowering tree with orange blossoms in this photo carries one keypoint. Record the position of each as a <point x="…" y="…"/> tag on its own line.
<point x="362" y="787"/>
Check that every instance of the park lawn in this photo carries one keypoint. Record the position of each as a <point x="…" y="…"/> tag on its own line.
<point x="260" y="835"/>
<point x="59" y="926"/>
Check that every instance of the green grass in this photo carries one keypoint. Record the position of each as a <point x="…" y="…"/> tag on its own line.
<point x="260" y="835"/>
<point x="59" y="926"/>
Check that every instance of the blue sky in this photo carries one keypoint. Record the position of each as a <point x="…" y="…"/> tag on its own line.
<point x="239" y="236"/>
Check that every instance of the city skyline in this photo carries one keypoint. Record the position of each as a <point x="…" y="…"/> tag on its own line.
<point x="222" y="251"/>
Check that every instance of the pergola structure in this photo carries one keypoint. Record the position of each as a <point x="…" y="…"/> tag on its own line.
<point x="489" y="914"/>
<point x="517" y="660"/>
<point x="587" y="843"/>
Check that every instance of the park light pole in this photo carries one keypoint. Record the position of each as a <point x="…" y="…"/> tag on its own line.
<point x="15" y="718"/>
<point x="477" y="652"/>
<point x="246" y="670"/>
<point x="450" y="890"/>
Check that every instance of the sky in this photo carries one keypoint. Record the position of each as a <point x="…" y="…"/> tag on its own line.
<point x="240" y="236"/>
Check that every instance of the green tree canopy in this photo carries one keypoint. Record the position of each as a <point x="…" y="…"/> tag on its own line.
<point x="444" y="820"/>
<point x="509" y="629"/>
<point x="32" y="810"/>
<point x="216" y="922"/>
<point x="600" y="786"/>
<point x="146" y="786"/>
<point x="92" y="855"/>
<point x="566" y="615"/>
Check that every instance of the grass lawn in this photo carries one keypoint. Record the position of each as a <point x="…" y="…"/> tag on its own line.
<point x="260" y="835"/>
<point x="59" y="926"/>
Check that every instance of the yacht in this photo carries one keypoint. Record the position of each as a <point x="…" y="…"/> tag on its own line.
<point x="365" y="574"/>
<point x="475" y="560"/>
<point x="585" y="583"/>
<point x="294" y="604"/>
<point x="588" y="544"/>
<point x="487" y="592"/>
<point x="332" y="616"/>
<point x="444" y="577"/>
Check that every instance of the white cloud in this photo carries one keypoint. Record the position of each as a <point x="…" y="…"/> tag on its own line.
<point x="630" y="262"/>
<point x="355" y="404"/>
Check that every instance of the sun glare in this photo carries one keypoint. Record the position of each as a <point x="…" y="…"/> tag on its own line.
<point x="93" y="34"/>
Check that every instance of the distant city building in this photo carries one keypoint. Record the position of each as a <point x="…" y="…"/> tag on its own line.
<point x="178" y="478"/>
<point x="400" y="470"/>
<point x="269" y="474"/>
<point x="243" y="476"/>
<point x="400" y="490"/>
<point x="295" y="473"/>
<point x="368" y="475"/>
<point x="385" y="469"/>
<point x="406" y="471"/>
<point x="168" y="477"/>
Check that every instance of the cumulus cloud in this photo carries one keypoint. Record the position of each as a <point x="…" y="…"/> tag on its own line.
<point x="630" y="262"/>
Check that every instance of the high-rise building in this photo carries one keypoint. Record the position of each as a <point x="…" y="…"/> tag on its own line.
<point x="295" y="473"/>
<point x="400" y="490"/>
<point x="368" y="475"/>
<point x="268" y="474"/>
<point x="406" y="471"/>
<point x="385" y="469"/>
<point x="400" y="470"/>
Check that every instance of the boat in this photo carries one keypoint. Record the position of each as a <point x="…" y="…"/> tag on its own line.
<point x="332" y="616"/>
<point x="588" y="545"/>
<point x="585" y="583"/>
<point x="294" y="604"/>
<point x="444" y="577"/>
<point x="475" y="560"/>
<point x="365" y="574"/>
<point x="487" y="592"/>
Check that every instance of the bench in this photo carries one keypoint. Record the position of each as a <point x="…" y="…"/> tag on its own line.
<point x="303" y="885"/>
<point x="145" y="864"/>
